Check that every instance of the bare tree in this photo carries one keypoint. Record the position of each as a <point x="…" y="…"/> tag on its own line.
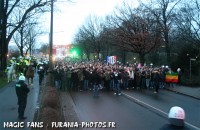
<point x="135" y="33"/>
<point x="33" y="33"/>
<point x="26" y="36"/>
<point x="84" y="42"/>
<point x="164" y="11"/>
<point x="188" y="22"/>
<point x="90" y="32"/>
<point x="44" y="48"/>
<point x="26" y="9"/>
<point x="19" y="40"/>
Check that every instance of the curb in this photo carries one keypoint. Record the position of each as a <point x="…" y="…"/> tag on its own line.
<point x="39" y="101"/>
<point x="182" y="93"/>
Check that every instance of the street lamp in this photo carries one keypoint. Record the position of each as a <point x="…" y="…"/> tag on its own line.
<point x="191" y="59"/>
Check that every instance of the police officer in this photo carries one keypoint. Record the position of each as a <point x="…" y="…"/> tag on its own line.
<point x="41" y="74"/>
<point x="21" y="91"/>
<point x="20" y="65"/>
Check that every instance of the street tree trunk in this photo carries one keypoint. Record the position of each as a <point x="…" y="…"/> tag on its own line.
<point x="21" y="51"/>
<point x="4" y="44"/>
<point x="124" y="57"/>
<point x="30" y="49"/>
<point x="142" y="58"/>
<point x="1" y="18"/>
<point x="166" y="37"/>
<point x="88" y="56"/>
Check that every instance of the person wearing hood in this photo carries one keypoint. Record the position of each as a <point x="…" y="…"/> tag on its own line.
<point x="22" y="91"/>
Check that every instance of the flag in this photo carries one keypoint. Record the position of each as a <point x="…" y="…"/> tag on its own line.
<point x="171" y="77"/>
<point x="111" y="59"/>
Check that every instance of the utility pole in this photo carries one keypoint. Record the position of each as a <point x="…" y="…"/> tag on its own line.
<point x="51" y="39"/>
<point x="51" y="44"/>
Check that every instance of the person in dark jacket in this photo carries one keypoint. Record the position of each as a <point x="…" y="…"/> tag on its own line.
<point x="96" y="79"/>
<point x="21" y="90"/>
<point x="41" y="74"/>
<point x="117" y="80"/>
<point x="58" y="78"/>
<point x="156" y="79"/>
<point x="86" y="74"/>
<point x="30" y="75"/>
<point x="74" y="79"/>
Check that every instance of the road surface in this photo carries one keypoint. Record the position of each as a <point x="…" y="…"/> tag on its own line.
<point x="135" y="110"/>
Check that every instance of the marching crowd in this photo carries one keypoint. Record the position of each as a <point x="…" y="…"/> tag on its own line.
<point x="83" y="76"/>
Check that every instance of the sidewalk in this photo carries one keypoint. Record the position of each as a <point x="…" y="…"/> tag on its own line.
<point x="193" y="92"/>
<point x="69" y="110"/>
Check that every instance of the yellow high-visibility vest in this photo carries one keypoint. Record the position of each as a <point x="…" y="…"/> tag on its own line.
<point x="26" y="62"/>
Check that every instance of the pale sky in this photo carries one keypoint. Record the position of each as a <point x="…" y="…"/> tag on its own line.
<point x="68" y="17"/>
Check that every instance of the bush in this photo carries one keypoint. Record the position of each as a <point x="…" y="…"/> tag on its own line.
<point x="49" y="115"/>
<point x="51" y="98"/>
<point x="51" y="108"/>
<point x="195" y="81"/>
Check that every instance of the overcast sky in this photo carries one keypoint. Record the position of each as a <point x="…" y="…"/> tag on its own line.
<point x="68" y="17"/>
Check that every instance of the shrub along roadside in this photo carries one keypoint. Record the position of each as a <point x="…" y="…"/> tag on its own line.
<point x="50" y="108"/>
<point x="186" y="81"/>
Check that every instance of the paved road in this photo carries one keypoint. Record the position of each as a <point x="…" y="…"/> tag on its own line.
<point x="164" y="100"/>
<point x="128" y="114"/>
<point x="8" y="105"/>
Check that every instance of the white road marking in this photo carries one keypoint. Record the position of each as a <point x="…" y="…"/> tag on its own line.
<point x="148" y="105"/>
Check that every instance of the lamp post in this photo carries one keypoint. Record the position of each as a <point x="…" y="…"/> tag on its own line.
<point x="191" y="59"/>
<point x="51" y="39"/>
<point x="134" y="59"/>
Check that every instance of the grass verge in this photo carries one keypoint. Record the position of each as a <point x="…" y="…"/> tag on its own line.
<point x="3" y="81"/>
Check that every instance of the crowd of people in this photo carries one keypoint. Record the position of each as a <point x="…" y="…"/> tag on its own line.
<point x="83" y="76"/>
<point x="90" y="75"/>
<point x="27" y="66"/>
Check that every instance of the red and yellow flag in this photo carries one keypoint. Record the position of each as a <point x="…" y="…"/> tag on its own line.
<point x="171" y="77"/>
